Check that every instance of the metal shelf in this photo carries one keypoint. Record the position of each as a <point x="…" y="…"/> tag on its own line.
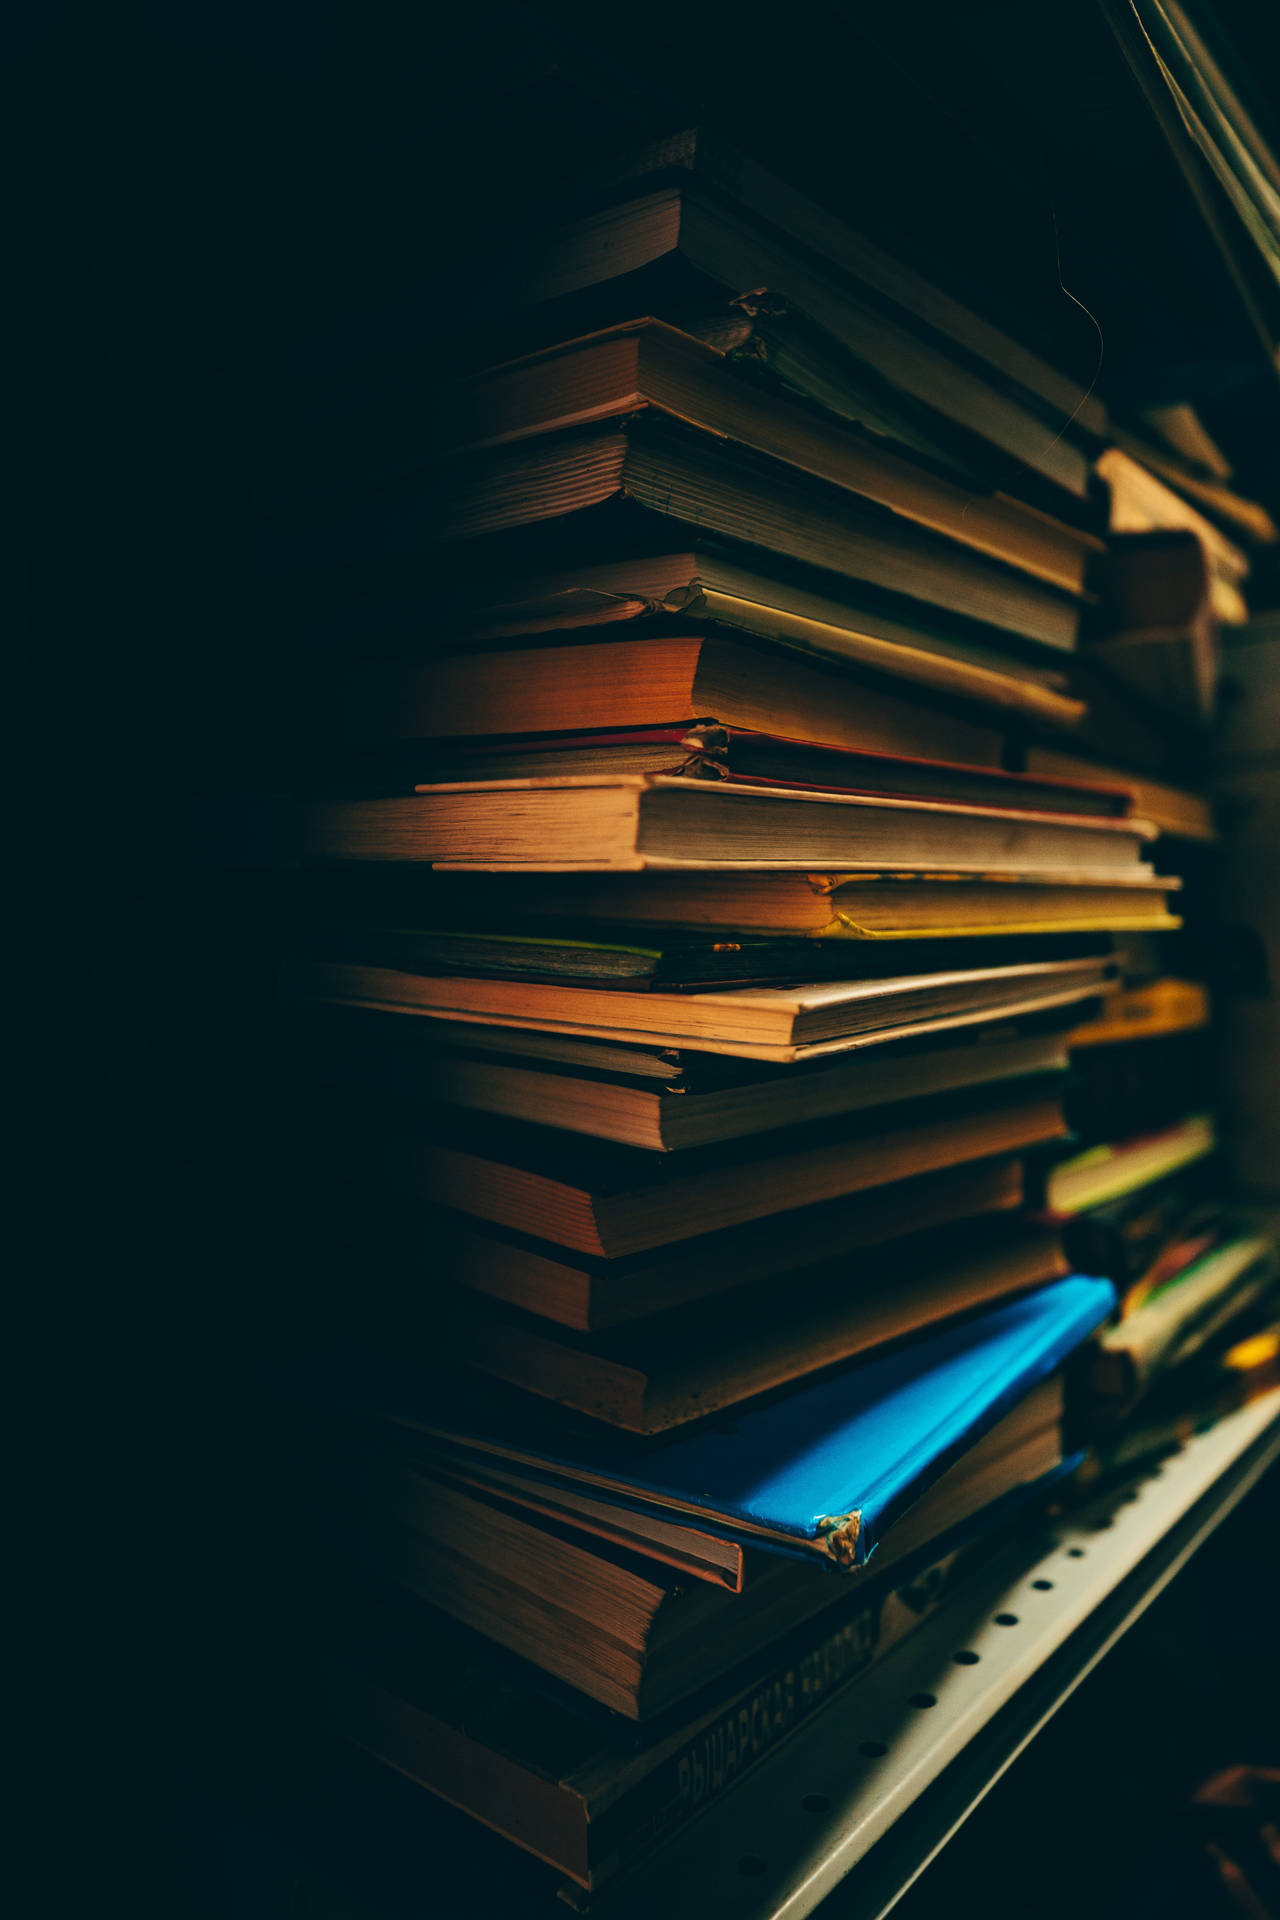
<point x="881" y="1778"/>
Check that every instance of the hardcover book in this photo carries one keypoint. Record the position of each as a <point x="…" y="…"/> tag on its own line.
<point x="591" y="1293"/>
<point x="646" y="366"/>
<point x="657" y="681"/>
<point x="440" y="1705"/>
<point x="632" y="1634"/>
<point x="601" y="1198"/>
<point x="690" y="218"/>
<point x="826" y="1467"/>
<point x="654" y="481"/>
<point x="714" y="752"/>
<point x="1103" y="1173"/>
<point x="708" y="584"/>
<point x="762" y="1023"/>
<point x="845" y="907"/>
<point x="665" y="1374"/>
<point x="634" y="821"/>
<point x="680" y="1114"/>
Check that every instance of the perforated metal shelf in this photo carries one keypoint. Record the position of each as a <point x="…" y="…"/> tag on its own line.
<point x="857" y="1802"/>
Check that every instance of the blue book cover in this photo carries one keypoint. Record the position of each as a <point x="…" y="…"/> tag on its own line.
<point x="824" y="1467"/>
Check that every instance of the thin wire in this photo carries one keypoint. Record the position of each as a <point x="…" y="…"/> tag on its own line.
<point x="942" y="104"/>
<point x="1057" y="249"/>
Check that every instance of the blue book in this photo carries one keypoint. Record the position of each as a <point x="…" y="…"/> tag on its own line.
<point x="825" y="1467"/>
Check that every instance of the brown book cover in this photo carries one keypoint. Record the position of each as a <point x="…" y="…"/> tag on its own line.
<point x="618" y="1625"/>
<point x="591" y="1294"/>
<point x="844" y="907"/>
<point x="647" y="366"/>
<point x="631" y="822"/>
<point x="470" y="1728"/>
<point x="710" y="751"/>
<point x="782" y="1024"/>
<point x="672" y="1119"/>
<point x="663" y="1374"/>
<point x="604" y="1199"/>
<point x="1157" y="625"/>
<point x="644" y="593"/>
<point x="654" y="480"/>
<point x="534" y="1771"/>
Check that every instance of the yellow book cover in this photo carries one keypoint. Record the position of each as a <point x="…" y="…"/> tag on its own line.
<point x="1147" y="1012"/>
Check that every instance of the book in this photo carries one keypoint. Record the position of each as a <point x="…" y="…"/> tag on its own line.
<point x="1023" y="1447"/>
<point x="1155" y="582"/>
<point x="646" y="366"/>
<point x="371" y="1034"/>
<point x="1122" y="1237"/>
<point x="654" y="481"/>
<point x="1240" y="518"/>
<point x="710" y="585"/>
<point x="680" y="239"/>
<point x="822" y="1469"/>
<point x="632" y="821"/>
<point x="698" y="154"/>
<point x="670" y="959"/>
<point x="592" y="1293"/>
<point x="1185" y="1401"/>
<point x="1140" y="503"/>
<point x="1196" y="1237"/>
<point x="666" y="960"/>
<point x="1158" y="625"/>
<point x="666" y="1373"/>
<point x="438" y="1704"/>
<point x="776" y="346"/>
<point x="1183" y="434"/>
<point x="844" y="907"/>
<point x="626" y="1632"/>
<point x="694" y="1110"/>
<point x="631" y="1634"/>
<point x="661" y="679"/>
<point x="762" y="1023"/>
<point x="1172" y="809"/>
<point x="1102" y="1173"/>
<point x="1158" y="1007"/>
<point x="771" y="343"/>
<point x="1177" y="1319"/>
<point x="601" y="1198"/>
<point x="714" y="752"/>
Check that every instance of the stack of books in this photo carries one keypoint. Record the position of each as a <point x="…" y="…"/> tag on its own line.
<point x="710" y="952"/>
<point x="1165" y="1194"/>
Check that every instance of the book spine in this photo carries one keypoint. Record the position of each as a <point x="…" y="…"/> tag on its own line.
<point x="693" y="1777"/>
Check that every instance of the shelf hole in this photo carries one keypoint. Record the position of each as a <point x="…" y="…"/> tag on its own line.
<point x="1075" y="1553"/>
<point x="1006" y="1619"/>
<point x="1042" y="1586"/>
<point x="873" y="1749"/>
<point x="922" y="1700"/>
<point x="816" y="1803"/>
<point x="966" y="1657"/>
<point x="752" y="1864"/>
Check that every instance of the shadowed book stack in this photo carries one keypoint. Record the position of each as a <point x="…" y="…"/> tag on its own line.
<point x="716" y="979"/>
